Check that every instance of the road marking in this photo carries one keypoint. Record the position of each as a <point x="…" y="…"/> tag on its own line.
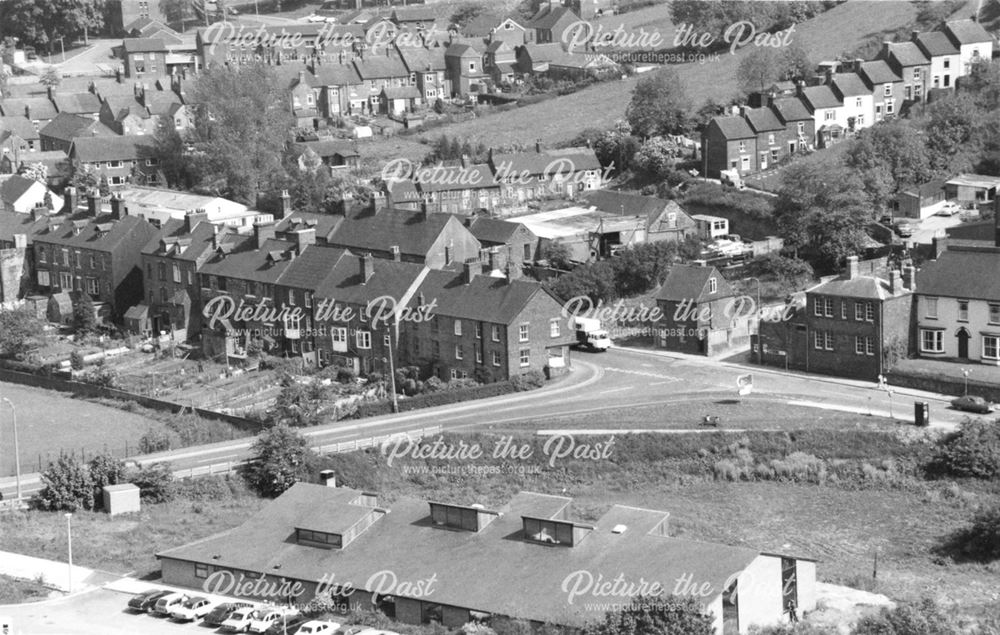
<point x="604" y="392"/>
<point x="642" y="373"/>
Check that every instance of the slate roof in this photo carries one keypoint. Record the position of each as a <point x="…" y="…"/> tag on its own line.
<point x="451" y="178"/>
<point x="14" y="187"/>
<point x="77" y="103"/>
<point x="461" y="50"/>
<point x="547" y="161"/>
<point x="485" y="298"/>
<point x="125" y="148"/>
<point x="650" y="207"/>
<point x="868" y="287"/>
<point x="539" y="53"/>
<point x="389" y="278"/>
<point x="379" y="67"/>
<point x="493" y="231"/>
<point x="324" y="224"/>
<point x="40" y="107"/>
<point x="406" y="542"/>
<point x="161" y="102"/>
<point x="328" y="147"/>
<point x="245" y="262"/>
<point x="817" y="97"/>
<point x="311" y="267"/>
<point x="200" y="239"/>
<point x="791" y="109"/>
<point x="12" y="223"/>
<point x="484" y="23"/>
<point x="66" y="127"/>
<point x="401" y="92"/>
<point x="879" y="72"/>
<point x="414" y="14"/>
<point x="733" y="127"/>
<point x="21" y="126"/>
<point x="144" y="45"/>
<point x="121" y="106"/>
<point x="967" y="32"/>
<point x="763" y="120"/>
<point x="548" y="16"/>
<point x="420" y="60"/>
<point x="850" y="85"/>
<point x="962" y="272"/>
<point x="935" y="43"/>
<point x="101" y="233"/>
<point x="927" y="189"/>
<point x="335" y="75"/>
<point x="411" y="231"/>
<point x="907" y="54"/>
<point x="690" y="282"/>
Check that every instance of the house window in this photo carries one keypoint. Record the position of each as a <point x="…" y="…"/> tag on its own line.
<point x="43" y="278"/>
<point x="177" y="273"/>
<point x="828" y="340"/>
<point x="859" y="345"/>
<point x="991" y="347"/>
<point x="338" y="336"/>
<point x="161" y="270"/>
<point x="200" y="570"/>
<point x="859" y="311"/>
<point x="363" y="339"/>
<point x="857" y="103"/>
<point x="916" y="73"/>
<point x="386" y="340"/>
<point x="818" y="340"/>
<point x="801" y="127"/>
<point x="770" y="139"/>
<point x="458" y="327"/>
<point x="818" y="307"/>
<point x="828" y="307"/>
<point x="495" y="333"/>
<point x="163" y="295"/>
<point x="554" y="327"/>
<point x="995" y="314"/>
<point x="869" y="346"/>
<point x="479" y="331"/>
<point x="887" y="90"/>
<point x="522" y="333"/>
<point x="743" y="146"/>
<point x="931" y="341"/>
<point x="93" y="287"/>
<point x="890" y="106"/>
<point x="829" y="115"/>
<point x="65" y="280"/>
<point x="65" y="257"/>
<point x="931" y="308"/>
<point x="41" y="255"/>
<point x="713" y="285"/>
<point x="496" y="358"/>
<point x="947" y="63"/>
<point x="479" y="356"/>
<point x="963" y="310"/>
<point x="459" y="353"/>
<point x="524" y="357"/>
<point x="307" y="299"/>
<point x="843" y="310"/>
<point x="869" y="312"/>
<point x="859" y="120"/>
<point x="93" y="262"/>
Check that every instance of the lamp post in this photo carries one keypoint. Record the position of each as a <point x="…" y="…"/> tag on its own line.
<point x="69" y="549"/>
<point x="965" y="374"/>
<point x="757" y="307"/>
<point x="17" y="451"/>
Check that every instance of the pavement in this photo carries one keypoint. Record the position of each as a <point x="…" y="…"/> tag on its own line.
<point x="53" y="574"/>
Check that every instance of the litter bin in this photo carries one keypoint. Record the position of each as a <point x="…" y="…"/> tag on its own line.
<point x="921" y="413"/>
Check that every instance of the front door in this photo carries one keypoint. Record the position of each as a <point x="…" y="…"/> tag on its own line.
<point x="963" y="344"/>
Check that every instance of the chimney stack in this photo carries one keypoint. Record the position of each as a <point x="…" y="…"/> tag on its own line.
<point x="93" y="203"/>
<point x="328" y="478"/>
<point x="538" y="146"/>
<point x="895" y="281"/>
<point x="286" y="204"/>
<point x="261" y="233"/>
<point x="469" y="271"/>
<point x="366" y="267"/>
<point x="466" y="161"/>
<point x="39" y="211"/>
<point x="303" y="238"/>
<point x="117" y="206"/>
<point x="800" y="86"/>
<point x="914" y="35"/>
<point x="494" y="259"/>
<point x="909" y="278"/>
<point x="70" y="200"/>
<point x="394" y="250"/>
<point x="852" y="267"/>
<point x="885" y="48"/>
<point x="192" y="218"/>
<point x="216" y="239"/>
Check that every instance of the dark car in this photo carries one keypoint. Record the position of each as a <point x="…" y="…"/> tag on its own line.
<point x="972" y="404"/>
<point x="219" y="614"/>
<point x="292" y="625"/>
<point x="145" y="602"/>
<point x="904" y="229"/>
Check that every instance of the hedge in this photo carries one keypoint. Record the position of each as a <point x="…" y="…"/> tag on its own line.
<point x="431" y="399"/>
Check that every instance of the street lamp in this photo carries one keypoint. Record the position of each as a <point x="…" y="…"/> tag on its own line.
<point x="757" y="307"/>
<point x="17" y="452"/>
<point x="69" y="549"/>
<point x="965" y="373"/>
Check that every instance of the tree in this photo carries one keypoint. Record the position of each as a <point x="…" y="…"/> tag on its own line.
<point x="241" y="123"/>
<point x="84" y="320"/>
<point x="980" y="540"/>
<point x="43" y="22"/>
<point x="51" y="77"/>
<point x="954" y="130"/>
<point x="659" y="105"/>
<point x="887" y="157"/>
<point x="656" y="157"/>
<point x="177" y="12"/>
<point x="281" y="458"/>
<point x="971" y="452"/>
<point x="178" y="167"/>
<point x="795" y="62"/>
<point x="37" y="172"/>
<point x="300" y="405"/>
<point x="85" y="179"/>
<point x="155" y="482"/>
<point x="655" y="616"/>
<point x="557" y="254"/>
<point x="104" y="470"/>
<point x="923" y="618"/>
<point x="759" y="70"/>
<point x="67" y="486"/>
<point x="18" y="330"/>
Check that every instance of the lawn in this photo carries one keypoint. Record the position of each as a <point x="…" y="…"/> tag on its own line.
<point x="825" y="36"/>
<point x="14" y="591"/>
<point x="50" y="422"/>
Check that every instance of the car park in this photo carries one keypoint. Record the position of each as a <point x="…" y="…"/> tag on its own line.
<point x="221" y="613"/>
<point x="193" y="609"/>
<point x="319" y="627"/>
<point x="970" y="403"/>
<point x="165" y="605"/>
<point x="146" y="601"/>
<point x="238" y="621"/>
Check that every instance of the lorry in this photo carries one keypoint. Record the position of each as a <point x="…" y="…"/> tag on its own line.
<point x="590" y="334"/>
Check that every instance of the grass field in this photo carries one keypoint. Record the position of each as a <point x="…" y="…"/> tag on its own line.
<point x="49" y="422"/>
<point x="560" y="119"/>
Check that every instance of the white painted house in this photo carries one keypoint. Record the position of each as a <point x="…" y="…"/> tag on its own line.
<point x="20" y="194"/>
<point x="973" y="42"/>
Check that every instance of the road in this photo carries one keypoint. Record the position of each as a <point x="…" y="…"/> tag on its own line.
<point x="600" y="383"/>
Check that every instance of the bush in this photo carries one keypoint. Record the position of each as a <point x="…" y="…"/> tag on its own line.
<point x="980" y="541"/>
<point x="439" y="398"/>
<point x="281" y="458"/>
<point x="76" y="360"/>
<point x="155" y="482"/>
<point x="155" y="440"/>
<point x="924" y="618"/>
<point x="973" y="451"/>
<point x="68" y="486"/>
<point x="528" y="381"/>
<point x="346" y="375"/>
<point x="105" y="469"/>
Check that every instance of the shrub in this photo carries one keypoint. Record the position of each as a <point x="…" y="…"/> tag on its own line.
<point x="924" y="618"/>
<point x="346" y="375"/>
<point x="972" y="451"/>
<point x="528" y="381"/>
<point x="76" y="360"/>
<point x="68" y="486"/>
<point x="155" y="482"/>
<point x="980" y="541"/>
<point x="281" y="458"/>
<point x="154" y="440"/>
<point x="105" y="469"/>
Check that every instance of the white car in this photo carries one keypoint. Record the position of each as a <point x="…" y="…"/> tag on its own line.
<point x="318" y="627"/>
<point x="263" y="619"/>
<point x="949" y="209"/>
<point x="194" y="609"/>
<point x="238" y="621"/>
<point x="166" y="605"/>
<point x="315" y="18"/>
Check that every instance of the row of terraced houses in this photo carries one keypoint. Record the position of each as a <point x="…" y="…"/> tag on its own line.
<point x="793" y="117"/>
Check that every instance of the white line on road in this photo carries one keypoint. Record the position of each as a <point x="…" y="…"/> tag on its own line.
<point x="604" y="392"/>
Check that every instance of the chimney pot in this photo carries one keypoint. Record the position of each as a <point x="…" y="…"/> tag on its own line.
<point x="909" y="278"/>
<point x="366" y="266"/>
<point x="469" y="271"/>
<point x="394" y="250"/>
<point x="894" y="282"/>
<point x="852" y="267"/>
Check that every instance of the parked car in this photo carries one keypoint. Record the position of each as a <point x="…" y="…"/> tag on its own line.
<point x="165" y="605"/>
<point x="318" y="627"/>
<point x="195" y="608"/>
<point x="146" y="601"/>
<point x="949" y="209"/>
<point x="904" y="228"/>
<point x="221" y="613"/>
<point x="315" y="18"/>
<point x="289" y="627"/>
<point x="970" y="403"/>
<point x="238" y="621"/>
<point x="264" y="618"/>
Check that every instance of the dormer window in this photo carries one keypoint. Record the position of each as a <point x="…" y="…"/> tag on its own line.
<point x="318" y="539"/>
<point x="713" y="285"/>
<point x="461" y="517"/>
<point x="545" y="531"/>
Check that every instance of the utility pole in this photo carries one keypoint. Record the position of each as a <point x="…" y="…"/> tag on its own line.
<point x="17" y="451"/>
